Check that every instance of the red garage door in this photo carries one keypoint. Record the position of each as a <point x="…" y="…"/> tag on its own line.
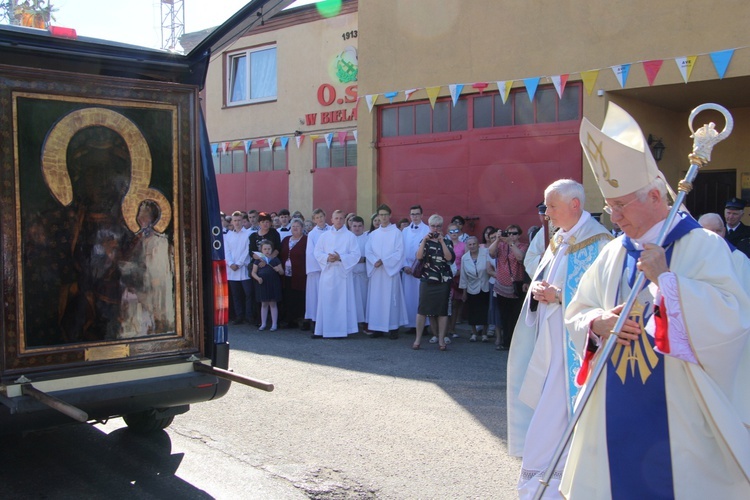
<point x="483" y="159"/>
<point x="335" y="175"/>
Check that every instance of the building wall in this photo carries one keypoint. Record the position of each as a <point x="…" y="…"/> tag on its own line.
<point x="423" y="43"/>
<point x="307" y="45"/>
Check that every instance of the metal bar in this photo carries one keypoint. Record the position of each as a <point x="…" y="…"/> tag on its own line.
<point x="55" y="403"/>
<point x="234" y="377"/>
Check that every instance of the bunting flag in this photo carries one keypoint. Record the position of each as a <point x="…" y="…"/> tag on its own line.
<point x="721" y="61"/>
<point x="284" y="141"/>
<point x="314" y="136"/>
<point x="214" y="149"/>
<point x="299" y="139"/>
<point x="354" y="133"/>
<point x="271" y="140"/>
<point x="371" y="98"/>
<point x="621" y="73"/>
<point x="559" y="82"/>
<point x="408" y="93"/>
<point x="685" y="65"/>
<point x="329" y="138"/>
<point x="503" y="87"/>
<point x="341" y="136"/>
<point x="455" y="89"/>
<point x="432" y="93"/>
<point x="226" y="147"/>
<point x="390" y="96"/>
<point x="652" y="69"/>
<point x="531" y="85"/>
<point x="589" y="79"/>
<point x="480" y="86"/>
<point x="248" y="145"/>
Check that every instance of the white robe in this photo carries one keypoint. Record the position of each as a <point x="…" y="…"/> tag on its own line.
<point x="709" y="445"/>
<point x="237" y="251"/>
<point x="336" y="315"/>
<point x="412" y="238"/>
<point x="539" y="373"/>
<point x="361" y="281"/>
<point x="313" y="274"/>
<point x="386" y="309"/>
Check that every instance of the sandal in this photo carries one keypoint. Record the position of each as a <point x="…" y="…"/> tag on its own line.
<point x="416" y="347"/>
<point x="443" y="347"/>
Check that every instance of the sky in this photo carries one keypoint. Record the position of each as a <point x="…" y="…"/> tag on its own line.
<point x="139" y="21"/>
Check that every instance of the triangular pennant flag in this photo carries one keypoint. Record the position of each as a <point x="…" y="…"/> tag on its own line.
<point x="455" y="90"/>
<point x="226" y="147"/>
<point x="408" y="93"/>
<point x="390" y="96"/>
<point x="214" y="149"/>
<point x="621" y="73"/>
<point x="589" y="79"/>
<point x="432" y="93"/>
<point x="314" y="136"/>
<point x="354" y="133"/>
<point x="652" y="69"/>
<point x="721" y="61"/>
<point x="284" y="141"/>
<point x="341" y="136"/>
<point x="271" y="140"/>
<point x="299" y="139"/>
<point x="559" y="82"/>
<point x="531" y="85"/>
<point x="503" y="87"/>
<point x="371" y="98"/>
<point x="685" y="65"/>
<point x="329" y="138"/>
<point x="480" y="86"/>
<point x="248" y="145"/>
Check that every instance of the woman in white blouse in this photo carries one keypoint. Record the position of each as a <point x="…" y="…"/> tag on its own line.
<point x="475" y="283"/>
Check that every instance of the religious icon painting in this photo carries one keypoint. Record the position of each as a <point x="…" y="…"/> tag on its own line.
<point x="102" y="233"/>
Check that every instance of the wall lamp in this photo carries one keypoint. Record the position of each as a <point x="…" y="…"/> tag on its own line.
<point x="657" y="147"/>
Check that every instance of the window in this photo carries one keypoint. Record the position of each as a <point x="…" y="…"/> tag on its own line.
<point x="251" y="76"/>
<point x="337" y="155"/>
<point x="260" y="159"/>
<point x="423" y="119"/>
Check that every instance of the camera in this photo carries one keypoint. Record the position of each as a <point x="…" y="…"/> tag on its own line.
<point x="504" y="233"/>
<point x="433" y="236"/>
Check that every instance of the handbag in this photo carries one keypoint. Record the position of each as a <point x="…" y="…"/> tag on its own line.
<point x="416" y="268"/>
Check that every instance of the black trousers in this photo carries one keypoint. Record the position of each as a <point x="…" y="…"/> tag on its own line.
<point x="509" y="309"/>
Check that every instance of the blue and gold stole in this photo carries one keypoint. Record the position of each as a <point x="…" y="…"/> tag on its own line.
<point x="640" y="463"/>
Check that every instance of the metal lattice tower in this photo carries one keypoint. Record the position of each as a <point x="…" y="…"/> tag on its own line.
<point x="172" y="23"/>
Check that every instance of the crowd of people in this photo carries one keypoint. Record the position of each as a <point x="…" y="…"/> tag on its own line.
<point x="669" y="404"/>
<point x="406" y="275"/>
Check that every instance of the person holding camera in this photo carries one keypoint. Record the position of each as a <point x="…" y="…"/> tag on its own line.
<point x="435" y="285"/>
<point x="508" y="252"/>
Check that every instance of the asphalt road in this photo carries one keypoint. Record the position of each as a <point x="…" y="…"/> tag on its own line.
<point x="355" y="418"/>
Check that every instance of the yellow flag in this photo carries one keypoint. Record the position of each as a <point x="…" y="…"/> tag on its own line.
<point x="589" y="79"/>
<point x="432" y="93"/>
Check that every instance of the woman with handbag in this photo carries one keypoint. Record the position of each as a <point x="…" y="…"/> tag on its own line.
<point x="508" y="252"/>
<point x="436" y="254"/>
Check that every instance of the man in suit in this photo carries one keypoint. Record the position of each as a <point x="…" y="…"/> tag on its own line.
<point x="738" y="234"/>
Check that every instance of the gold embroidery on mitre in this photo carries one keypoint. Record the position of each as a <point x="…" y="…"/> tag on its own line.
<point x="598" y="157"/>
<point x="638" y="354"/>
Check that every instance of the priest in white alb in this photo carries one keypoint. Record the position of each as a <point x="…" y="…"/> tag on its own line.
<point x="542" y="362"/>
<point x="337" y="252"/>
<point x="361" y="281"/>
<point x="386" y="310"/>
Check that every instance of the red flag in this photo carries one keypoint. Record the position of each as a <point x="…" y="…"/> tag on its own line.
<point x="652" y="69"/>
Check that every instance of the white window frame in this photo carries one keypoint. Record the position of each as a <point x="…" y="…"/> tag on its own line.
<point x="230" y="76"/>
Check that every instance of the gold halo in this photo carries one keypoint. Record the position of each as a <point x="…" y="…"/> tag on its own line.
<point x="57" y="177"/>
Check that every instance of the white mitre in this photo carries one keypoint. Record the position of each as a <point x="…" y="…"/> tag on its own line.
<point x="618" y="154"/>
